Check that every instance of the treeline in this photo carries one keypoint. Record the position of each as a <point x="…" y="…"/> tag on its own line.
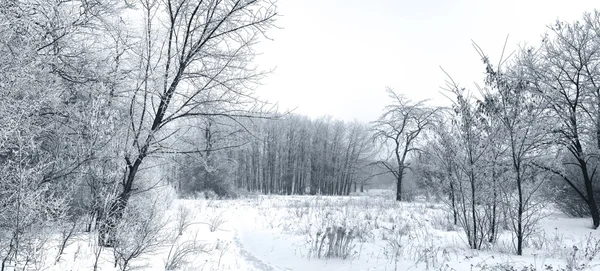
<point x="290" y="154"/>
<point x="298" y="155"/>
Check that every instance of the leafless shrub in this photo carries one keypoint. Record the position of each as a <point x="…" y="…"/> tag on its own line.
<point x="180" y="252"/>
<point x="334" y="242"/>
<point x="568" y="201"/>
<point x="434" y="257"/>
<point x="77" y="252"/>
<point x="442" y="222"/>
<point x="395" y="238"/>
<point x="216" y="221"/>
<point x="579" y="258"/>
<point x="141" y="231"/>
<point x="549" y="244"/>
<point x="591" y="248"/>
<point x="97" y="250"/>
<point x="185" y="218"/>
<point x="33" y="251"/>
<point x="26" y="229"/>
<point x="222" y="247"/>
<point x="66" y="234"/>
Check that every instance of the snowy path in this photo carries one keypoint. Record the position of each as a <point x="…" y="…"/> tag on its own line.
<point x="240" y="221"/>
<point x="268" y="249"/>
<point x="251" y="259"/>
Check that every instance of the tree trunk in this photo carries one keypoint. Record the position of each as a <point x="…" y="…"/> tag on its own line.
<point x="108" y="224"/>
<point x="109" y="220"/>
<point x="494" y="222"/>
<point x="473" y="211"/>
<point x="453" y="199"/>
<point x="589" y="188"/>
<point x="399" y="187"/>
<point x="590" y="194"/>
<point x="519" y="215"/>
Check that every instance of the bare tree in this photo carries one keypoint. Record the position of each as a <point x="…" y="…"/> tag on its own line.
<point x="437" y="166"/>
<point x="192" y="61"/>
<point x="525" y="121"/>
<point x="563" y="72"/>
<point x="472" y="143"/>
<point x="397" y="129"/>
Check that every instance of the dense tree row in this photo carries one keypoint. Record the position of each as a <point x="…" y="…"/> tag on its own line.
<point x="297" y="155"/>
<point x="292" y="154"/>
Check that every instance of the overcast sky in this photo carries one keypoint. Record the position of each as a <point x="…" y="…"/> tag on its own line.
<point x="335" y="57"/>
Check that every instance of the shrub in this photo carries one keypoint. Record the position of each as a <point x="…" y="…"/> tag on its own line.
<point x="564" y="196"/>
<point x="184" y="218"/>
<point x="180" y="252"/>
<point x="334" y="242"/>
<point x="216" y="221"/>
<point x="142" y="229"/>
<point x="196" y="177"/>
<point x="567" y="201"/>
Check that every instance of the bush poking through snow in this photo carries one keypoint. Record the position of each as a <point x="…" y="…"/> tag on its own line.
<point x="579" y="259"/>
<point x="394" y="239"/>
<point x="335" y="242"/>
<point x="216" y="221"/>
<point x="97" y="251"/>
<point x="184" y="218"/>
<point x="443" y="223"/>
<point x="592" y="248"/>
<point x="395" y="242"/>
<point x="141" y="231"/>
<point x="66" y="234"/>
<point x="434" y="258"/>
<point x="180" y="252"/>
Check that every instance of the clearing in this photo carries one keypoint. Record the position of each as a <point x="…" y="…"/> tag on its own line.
<point x="368" y="232"/>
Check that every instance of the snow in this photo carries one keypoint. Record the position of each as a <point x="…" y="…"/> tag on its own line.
<point x="278" y="233"/>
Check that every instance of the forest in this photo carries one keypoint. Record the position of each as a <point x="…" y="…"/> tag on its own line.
<point x="110" y="110"/>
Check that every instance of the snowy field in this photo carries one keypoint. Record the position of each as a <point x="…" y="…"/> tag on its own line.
<point x="368" y="232"/>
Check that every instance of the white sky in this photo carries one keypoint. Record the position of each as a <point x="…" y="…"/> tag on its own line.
<point x="335" y="57"/>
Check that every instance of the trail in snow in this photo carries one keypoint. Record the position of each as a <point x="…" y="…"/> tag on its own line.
<point x="250" y="258"/>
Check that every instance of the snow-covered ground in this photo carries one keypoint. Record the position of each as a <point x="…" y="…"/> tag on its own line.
<point x="377" y="233"/>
